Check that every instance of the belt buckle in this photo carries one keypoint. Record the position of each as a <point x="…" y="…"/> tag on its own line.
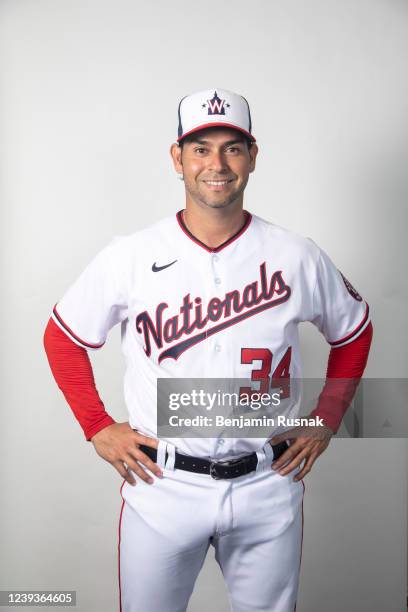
<point x="213" y="467"/>
<point x="213" y="470"/>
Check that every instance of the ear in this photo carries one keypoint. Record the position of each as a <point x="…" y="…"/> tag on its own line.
<point x="175" y="152"/>
<point x="253" y="152"/>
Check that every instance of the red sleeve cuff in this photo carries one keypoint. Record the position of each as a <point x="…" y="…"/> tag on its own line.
<point x="98" y="426"/>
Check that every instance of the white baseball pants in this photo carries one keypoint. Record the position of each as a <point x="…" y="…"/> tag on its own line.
<point x="254" y="522"/>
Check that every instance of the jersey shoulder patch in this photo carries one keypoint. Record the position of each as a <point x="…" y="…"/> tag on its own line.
<point x="353" y="292"/>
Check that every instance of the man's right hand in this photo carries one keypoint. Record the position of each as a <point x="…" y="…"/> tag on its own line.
<point x="119" y="444"/>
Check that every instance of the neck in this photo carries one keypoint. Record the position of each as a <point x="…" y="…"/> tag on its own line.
<point x="213" y="226"/>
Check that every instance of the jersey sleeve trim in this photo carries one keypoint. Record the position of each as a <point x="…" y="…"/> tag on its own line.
<point x="360" y="327"/>
<point x="65" y="328"/>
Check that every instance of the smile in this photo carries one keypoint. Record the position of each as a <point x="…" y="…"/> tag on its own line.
<point x="217" y="184"/>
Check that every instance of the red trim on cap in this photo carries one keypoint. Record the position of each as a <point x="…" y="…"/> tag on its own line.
<point x="248" y="218"/>
<point x="71" y="333"/>
<point x="217" y="124"/>
<point x="355" y="331"/>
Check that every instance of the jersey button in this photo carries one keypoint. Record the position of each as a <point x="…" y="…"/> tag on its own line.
<point x="217" y="348"/>
<point x="217" y="280"/>
<point x="221" y="441"/>
<point x="215" y="258"/>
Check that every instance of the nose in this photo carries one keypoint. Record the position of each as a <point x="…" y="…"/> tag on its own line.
<point x="217" y="162"/>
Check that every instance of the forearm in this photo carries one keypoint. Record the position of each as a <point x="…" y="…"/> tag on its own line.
<point x="345" y="368"/>
<point x="72" y="370"/>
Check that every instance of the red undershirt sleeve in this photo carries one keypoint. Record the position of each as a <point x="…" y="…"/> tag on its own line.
<point x="345" y="368"/>
<point x="72" y="370"/>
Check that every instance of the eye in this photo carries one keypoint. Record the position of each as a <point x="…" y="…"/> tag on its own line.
<point x="199" y="150"/>
<point x="234" y="149"/>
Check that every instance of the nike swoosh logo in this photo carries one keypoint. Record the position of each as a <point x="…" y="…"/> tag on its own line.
<point x="159" y="268"/>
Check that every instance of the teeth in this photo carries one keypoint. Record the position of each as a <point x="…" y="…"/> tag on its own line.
<point x="216" y="182"/>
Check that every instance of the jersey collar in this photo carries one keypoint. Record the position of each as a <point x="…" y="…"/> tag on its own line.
<point x="248" y="218"/>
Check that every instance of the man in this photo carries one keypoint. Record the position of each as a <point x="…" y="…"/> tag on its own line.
<point x="213" y="292"/>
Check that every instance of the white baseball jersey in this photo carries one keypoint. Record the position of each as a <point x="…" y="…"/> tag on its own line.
<point x="189" y="311"/>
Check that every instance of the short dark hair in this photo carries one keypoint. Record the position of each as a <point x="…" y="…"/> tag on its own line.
<point x="240" y="136"/>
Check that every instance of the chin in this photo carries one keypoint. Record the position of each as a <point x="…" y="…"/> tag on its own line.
<point x="219" y="204"/>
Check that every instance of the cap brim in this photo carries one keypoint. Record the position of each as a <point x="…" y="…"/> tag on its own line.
<point x="217" y="124"/>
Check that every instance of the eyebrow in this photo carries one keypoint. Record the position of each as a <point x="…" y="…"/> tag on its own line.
<point x="228" y="143"/>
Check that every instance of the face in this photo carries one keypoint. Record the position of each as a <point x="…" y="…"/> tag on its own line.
<point x="215" y="166"/>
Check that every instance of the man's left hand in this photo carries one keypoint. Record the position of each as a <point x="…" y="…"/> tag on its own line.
<point x="306" y="444"/>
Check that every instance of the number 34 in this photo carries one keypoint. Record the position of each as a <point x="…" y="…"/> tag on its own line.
<point x="280" y="376"/>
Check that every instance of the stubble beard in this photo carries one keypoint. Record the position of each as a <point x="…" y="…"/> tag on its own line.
<point x="200" y="198"/>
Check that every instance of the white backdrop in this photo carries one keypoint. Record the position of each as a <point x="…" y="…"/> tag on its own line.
<point x="88" y="112"/>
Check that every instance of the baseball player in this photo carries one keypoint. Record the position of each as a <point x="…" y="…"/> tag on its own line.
<point x="210" y="292"/>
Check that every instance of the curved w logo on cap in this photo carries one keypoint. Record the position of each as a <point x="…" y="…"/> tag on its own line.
<point x="213" y="107"/>
<point x="216" y="106"/>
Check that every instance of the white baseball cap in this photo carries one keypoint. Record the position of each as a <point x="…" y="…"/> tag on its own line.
<point x="211" y="108"/>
